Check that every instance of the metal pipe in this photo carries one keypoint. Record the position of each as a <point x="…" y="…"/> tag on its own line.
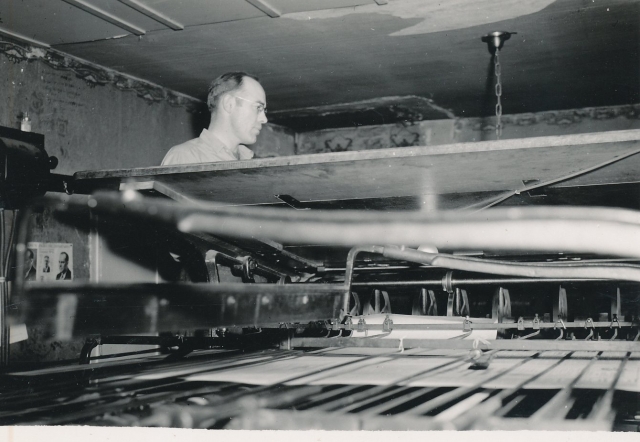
<point x="533" y="229"/>
<point x="489" y="325"/>
<point x="348" y="275"/>
<point x="612" y="271"/>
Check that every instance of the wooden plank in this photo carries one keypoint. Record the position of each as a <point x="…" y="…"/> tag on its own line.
<point x="436" y="170"/>
<point x="153" y="14"/>
<point x="106" y="16"/>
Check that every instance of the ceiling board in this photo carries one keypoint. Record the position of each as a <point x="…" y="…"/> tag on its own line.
<point x="54" y="22"/>
<point x="200" y="12"/>
<point x="569" y="54"/>
<point x="572" y="54"/>
<point x="127" y="13"/>
<point x="293" y="6"/>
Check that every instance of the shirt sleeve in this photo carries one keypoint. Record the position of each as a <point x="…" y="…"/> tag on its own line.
<point x="178" y="156"/>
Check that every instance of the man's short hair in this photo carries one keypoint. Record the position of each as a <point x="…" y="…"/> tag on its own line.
<point x="66" y="257"/>
<point x="228" y="82"/>
<point x="30" y="254"/>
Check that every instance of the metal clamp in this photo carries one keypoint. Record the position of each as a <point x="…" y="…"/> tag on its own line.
<point x="559" y="321"/>
<point x="348" y="323"/>
<point x="466" y="325"/>
<point x="362" y="326"/>
<point x="615" y="325"/>
<point x="536" y="322"/>
<point x="520" y="323"/>
<point x="589" y="324"/>
<point x="387" y="325"/>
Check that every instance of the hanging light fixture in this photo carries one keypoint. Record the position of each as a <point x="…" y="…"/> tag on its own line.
<point x="495" y="41"/>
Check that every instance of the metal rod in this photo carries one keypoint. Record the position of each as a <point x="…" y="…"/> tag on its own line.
<point x="467" y="344"/>
<point x="462" y="391"/>
<point x="467" y="281"/>
<point x="377" y="391"/>
<point x="348" y="275"/>
<point x="612" y="271"/>
<point x="562" y="401"/>
<point x="484" y="325"/>
<point x="532" y="229"/>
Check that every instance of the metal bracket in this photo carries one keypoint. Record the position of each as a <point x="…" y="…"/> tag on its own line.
<point x="589" y="324"/>
<point x="520" y="323"/>
<point x="387" y="325"/>
<point x="466" y="325"/>
<point x="536" y="322"/>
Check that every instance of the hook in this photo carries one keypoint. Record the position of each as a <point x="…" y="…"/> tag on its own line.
<point x="615" y="324"/>
<point x="532" y="334"/>
<point x="589" y="324"/>
<point x="561" y="330"/>
<point x="561" y="335"/>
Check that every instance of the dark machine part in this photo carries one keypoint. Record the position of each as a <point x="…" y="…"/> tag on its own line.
<point x="25" y="169"/>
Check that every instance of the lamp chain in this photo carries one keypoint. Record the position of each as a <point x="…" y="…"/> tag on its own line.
<point x="498" y="71"/>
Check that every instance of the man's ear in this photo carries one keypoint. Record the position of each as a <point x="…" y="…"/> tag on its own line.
<point x="227" y="102"/>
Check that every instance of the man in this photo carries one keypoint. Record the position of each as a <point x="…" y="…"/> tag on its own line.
<point x="63" y="263"/>
<point x="46" y="268"/>
<point x="30" y="270"/>
<point x="238" y="107"/>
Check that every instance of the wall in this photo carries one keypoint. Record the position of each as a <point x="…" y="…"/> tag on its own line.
<point x="88" y="121"/>
<point x="431" y="133"/>
<point x="95" y="118"/>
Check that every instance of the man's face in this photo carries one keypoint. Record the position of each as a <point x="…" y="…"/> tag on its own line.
<point x="62" y="263"/>
<point x="248" y="116"/>
<point x="46" y="261"/>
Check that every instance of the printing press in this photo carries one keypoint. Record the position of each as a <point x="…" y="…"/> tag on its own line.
<point x="477" y="286"/>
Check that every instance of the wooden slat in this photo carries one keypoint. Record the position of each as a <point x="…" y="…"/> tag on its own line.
<point x="153" y="14"/>
<point x="106" y="16"/>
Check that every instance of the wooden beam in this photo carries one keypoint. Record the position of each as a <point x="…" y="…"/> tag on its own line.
<point x="18" y="36"/>
<point x="153" y="14"/>
<point x="265" y="7"/>
<point x="106" y="16"/>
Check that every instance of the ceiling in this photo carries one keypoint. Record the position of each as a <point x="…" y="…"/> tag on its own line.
<point x="357" y="62"/>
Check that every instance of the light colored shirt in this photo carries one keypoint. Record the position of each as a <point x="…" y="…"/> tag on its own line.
<point x="207" y="148"/>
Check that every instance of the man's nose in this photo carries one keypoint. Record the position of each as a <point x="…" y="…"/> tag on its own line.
<point x="262" y="118"/>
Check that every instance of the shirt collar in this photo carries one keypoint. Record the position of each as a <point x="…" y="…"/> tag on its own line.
<point x="241" y="153"/>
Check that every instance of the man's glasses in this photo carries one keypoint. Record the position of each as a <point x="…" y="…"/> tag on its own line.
<point x="259" y="108"/>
